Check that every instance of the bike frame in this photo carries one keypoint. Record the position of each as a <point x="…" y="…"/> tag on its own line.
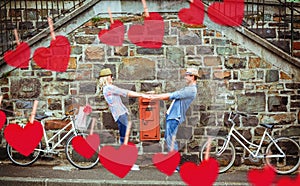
<point x="235" y="134"/>
<point x="49" y="149"/>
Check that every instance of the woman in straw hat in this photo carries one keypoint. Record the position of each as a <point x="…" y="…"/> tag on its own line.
<point x="112" y="95"/>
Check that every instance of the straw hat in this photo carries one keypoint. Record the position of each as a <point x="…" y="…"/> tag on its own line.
<point x="105" y="72"/>
<point x="192" y="71"/>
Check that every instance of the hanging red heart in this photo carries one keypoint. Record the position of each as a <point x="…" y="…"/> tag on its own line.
<point x="286" y="181"/>
<point x="119" y="161"/>
<point x="206" y="173"/>
<point x="86" y="146"/>
<point x="166" y="163"/>
<point x="24" y="140"/>
<point x="193" y="15"/>
<point x="19" y="57"/>
<point x="56" y="57"/>
<point x="2" y="119"/>
<point x="114" y="35"/>
<point x="262" y="177"/>
<point x="227" y="13"/>
<point x="149" y="35"/>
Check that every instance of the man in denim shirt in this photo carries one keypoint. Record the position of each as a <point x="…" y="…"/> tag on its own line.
<point x="182" y="100"/>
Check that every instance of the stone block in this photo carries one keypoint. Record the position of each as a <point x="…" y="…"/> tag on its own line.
<point x="76" y="50"/>
<point x="165" y="74"/>
<point x="54" y="104"/>
<point x="282" y="119"/>
<point x="236" y="85"/>
<point x="247" y="74"/>
<point x="157" y="87"/>
<point x="121" y="51"/>
<point x="272" y="76"/>
<point x="189" y="158"/>
<point x="292" y="85"/>
<point x="152" y="147"/>
<point x="212" y="61"/>
<point x="188" y="37"/>
<point x="250" y="121"/>
<point x="94" y="53"/>
<point x="226" y="51"/>
<point x="291" y="131"/>
<point x="148" y="51"/>
<point x="251" y="102"/>
<point x="277" y="103"/>
<point x="219" y="42"/>
<point x="87" y="88"/>
<point x="53" y="89"/>
<point x="174" y="57"/>
<point x="137" y="68"/>
<point x="108" y="121"/>
<point x="222" y="75"/>
<point x="184" y="132"/>
<point x="207" y="50"/>
<point x="85" y="39"/>
<point x="25" y="88"/>
<point x="235" y="63"/>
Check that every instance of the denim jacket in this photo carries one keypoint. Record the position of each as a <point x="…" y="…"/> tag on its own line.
<point x="182" y="100"/>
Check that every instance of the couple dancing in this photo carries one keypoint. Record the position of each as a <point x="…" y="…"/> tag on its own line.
<point x="181" y="100"/>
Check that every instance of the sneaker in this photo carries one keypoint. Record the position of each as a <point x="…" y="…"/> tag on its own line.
<point x="177" y="169"/>
<point x="135" y="167"/>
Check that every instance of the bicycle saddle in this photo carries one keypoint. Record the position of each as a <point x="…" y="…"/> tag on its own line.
<point x="269" y="126"/>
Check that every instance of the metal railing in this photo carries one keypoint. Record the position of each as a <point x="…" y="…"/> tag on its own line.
<point x="277" y="21"/>
<point x="29" y="17"/>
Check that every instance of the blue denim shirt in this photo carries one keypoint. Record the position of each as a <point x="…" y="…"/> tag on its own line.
<point x="182" y="101"/>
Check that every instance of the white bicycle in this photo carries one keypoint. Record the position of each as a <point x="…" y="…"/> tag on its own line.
<point x="282" y="153"/>
<point x="50" y="148"/>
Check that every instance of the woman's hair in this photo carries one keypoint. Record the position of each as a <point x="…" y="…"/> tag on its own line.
<point x="103" y="81"/>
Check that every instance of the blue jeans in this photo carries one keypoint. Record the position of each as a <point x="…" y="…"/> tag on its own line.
<point x="122" y="124"/>
<point x="171" y="130"/>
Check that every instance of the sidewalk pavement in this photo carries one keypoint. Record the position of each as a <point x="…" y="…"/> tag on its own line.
<point x="64" y="174"/>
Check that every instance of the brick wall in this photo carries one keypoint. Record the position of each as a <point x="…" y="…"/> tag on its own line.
<point x="228" y="70"/>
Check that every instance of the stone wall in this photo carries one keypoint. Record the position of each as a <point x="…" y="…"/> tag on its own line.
<point x="232" y="78"/>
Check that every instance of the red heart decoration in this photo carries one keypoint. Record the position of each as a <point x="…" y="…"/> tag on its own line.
<point x="24" y="140"/>
<point x="227" y="13"/>
<point x="18" y="57"/>
<point x="263" y="177"/>
<point x="86" y="146"/>
<point x="206" y="173"/>
<point x="286" y="181"/>
<point x="119" y="161"/>
<point x="114" y="35"/>
<point x="56" y="57"/>
<point x="2" y="119"/>
<point x="193" y="15"/>
<point x="149" y="35"/>
<point x="166" y="163"/>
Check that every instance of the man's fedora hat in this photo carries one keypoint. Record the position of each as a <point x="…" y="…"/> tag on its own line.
<point x="192" y="71"/>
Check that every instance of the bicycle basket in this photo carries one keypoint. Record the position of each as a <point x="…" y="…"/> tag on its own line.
<point x="82" y="119"/>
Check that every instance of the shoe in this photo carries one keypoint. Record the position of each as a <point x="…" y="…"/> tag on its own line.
<point x="135" y="167"/>
<point x="177" y="169"/>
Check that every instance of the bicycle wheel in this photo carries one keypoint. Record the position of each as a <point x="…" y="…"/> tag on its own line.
<point x="76" y="159"/>
<point x="20" y="159"/>
<point x="225" y="157"/>
<point x="287" y="164"/>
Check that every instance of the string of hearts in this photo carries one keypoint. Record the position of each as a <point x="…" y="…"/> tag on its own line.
<point x="25" y="139"/>
<point x="148" y="35"/>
